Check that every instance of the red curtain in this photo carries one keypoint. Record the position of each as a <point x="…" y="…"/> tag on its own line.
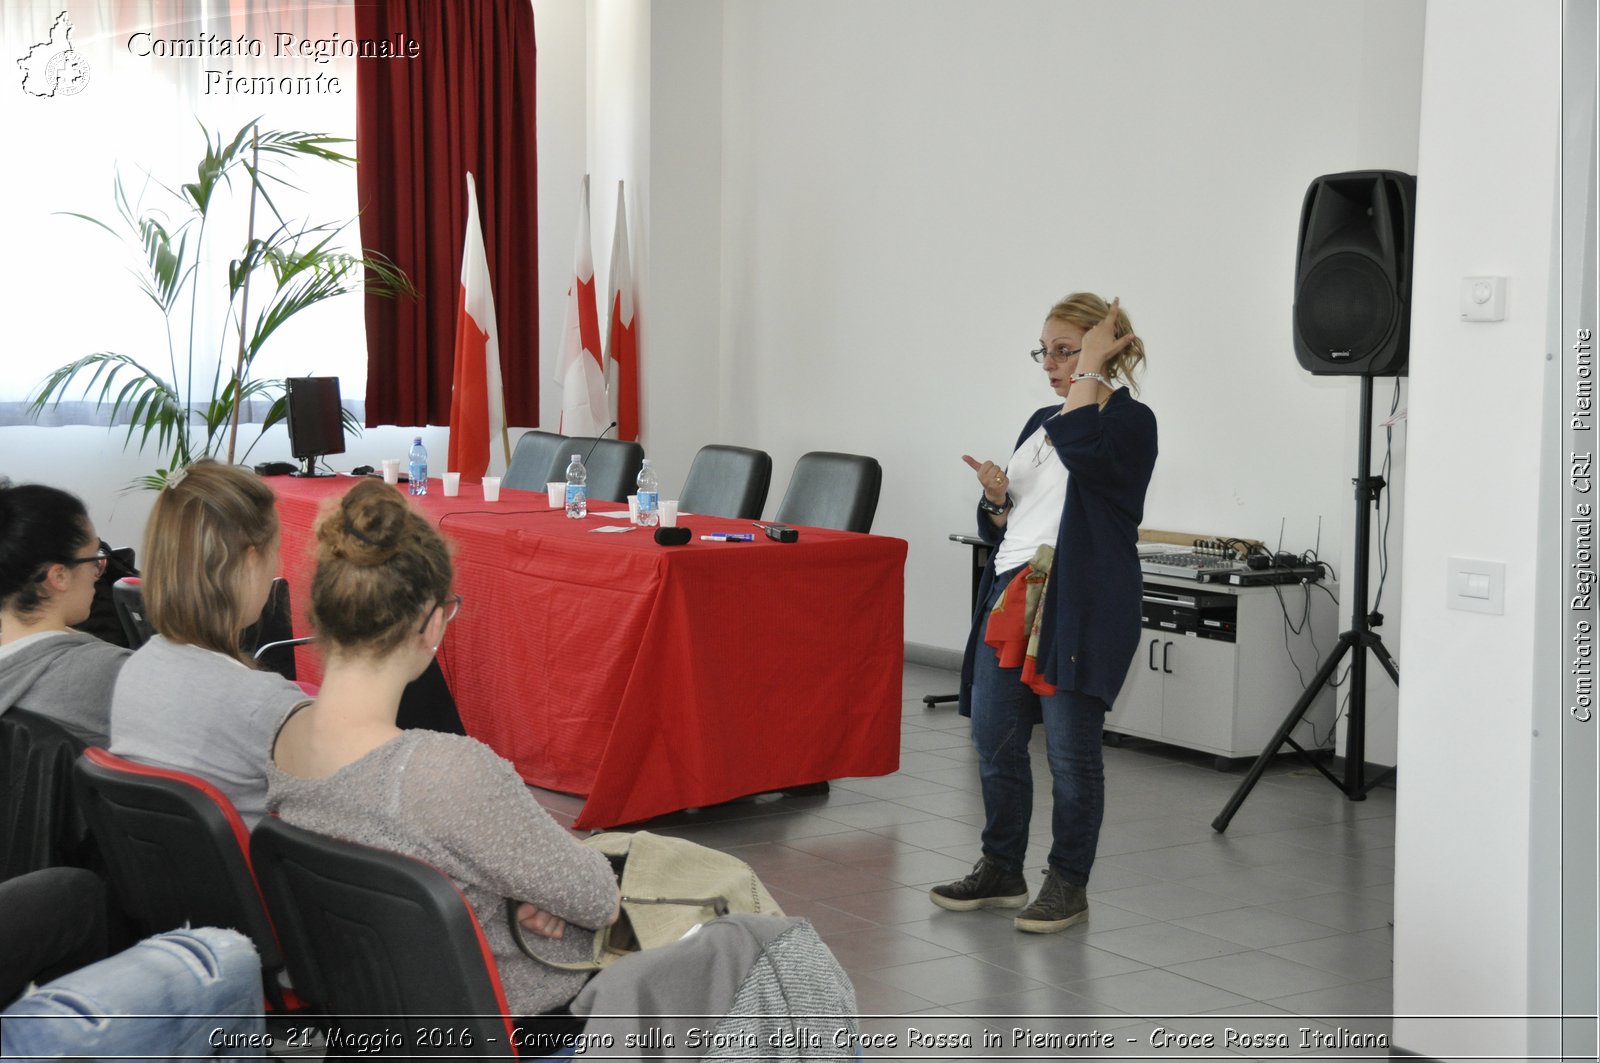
<point x="466" y="102"/>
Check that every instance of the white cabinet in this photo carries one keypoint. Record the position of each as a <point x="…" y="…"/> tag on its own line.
<point x="1228" y="694"/>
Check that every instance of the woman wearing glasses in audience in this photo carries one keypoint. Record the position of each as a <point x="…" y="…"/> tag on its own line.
<point x="380" y="604"/>
<point x="1058" y="621"/>
<point x="190" y="698"/>
<point x="50" y="559"/>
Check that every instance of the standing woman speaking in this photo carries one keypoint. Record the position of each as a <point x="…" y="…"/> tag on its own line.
<point x="1058" y="621"/>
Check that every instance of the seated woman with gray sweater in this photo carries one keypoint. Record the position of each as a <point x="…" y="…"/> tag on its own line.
<point x="380" y="603"/>
<point x="189" y="698"/>
<point x="50" y="559"/>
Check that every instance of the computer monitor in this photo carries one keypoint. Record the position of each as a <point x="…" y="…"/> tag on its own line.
<point x="315" y="419"/>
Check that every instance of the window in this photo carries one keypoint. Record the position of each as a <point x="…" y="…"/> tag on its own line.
<point x="150" y="85"/>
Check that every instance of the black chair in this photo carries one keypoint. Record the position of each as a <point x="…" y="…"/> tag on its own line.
<point x="374" y="936"/>
<point x="270" y="641"/>
<point x="177" y="853"/>
<point x="613" y="467"/>
<point x="41" y="824"/>
<point x="127" y="595"/>
<point x="831" y="490"/>
<point x="535" y="455"/>
<point x="726" y="481"/>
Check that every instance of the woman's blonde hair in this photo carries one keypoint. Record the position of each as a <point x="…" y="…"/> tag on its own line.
<point x="1086" y="310"/>
<point x="196" y="546"/>
<point x="380" y="566"/>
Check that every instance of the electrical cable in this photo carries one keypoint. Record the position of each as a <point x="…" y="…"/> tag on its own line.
<point x="1387" y="511"/>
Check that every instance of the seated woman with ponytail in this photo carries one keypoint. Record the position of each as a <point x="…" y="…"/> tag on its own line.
<point x="380" y="603"/>
<point x="190" y="698"/>
<point x="50" y="559"/>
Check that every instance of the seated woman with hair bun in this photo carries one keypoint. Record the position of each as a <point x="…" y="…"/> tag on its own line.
<point x="190" y="698"/>
<point x="380" y="602"/>
<point x="50" y="560"/>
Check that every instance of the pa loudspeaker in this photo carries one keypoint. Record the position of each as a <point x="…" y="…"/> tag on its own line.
<point x="1352" y="283"/>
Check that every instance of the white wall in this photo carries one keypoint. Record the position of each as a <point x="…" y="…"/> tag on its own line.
<point x="906" y="185"/>
<point x="1464" y="870"/>
<point x="895" y="238"/>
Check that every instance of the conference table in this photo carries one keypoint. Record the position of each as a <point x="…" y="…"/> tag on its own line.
<point x="649" y="678"/>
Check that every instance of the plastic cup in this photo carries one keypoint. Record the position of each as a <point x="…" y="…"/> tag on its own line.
<point x="452" y="484"/>
<point x="669" y="512"/>
<point x="633" y="509"/>
<point x="557" y="491"/>
<point x="391" y="470"/>
<point x="491" y="488"/>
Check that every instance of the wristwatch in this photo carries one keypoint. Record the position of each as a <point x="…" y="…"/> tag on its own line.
<point x="992" y="507"/>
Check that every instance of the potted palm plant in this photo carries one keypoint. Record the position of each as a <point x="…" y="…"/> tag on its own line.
<point x="187" y="405"/>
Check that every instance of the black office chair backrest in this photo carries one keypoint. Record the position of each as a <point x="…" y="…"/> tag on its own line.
<point x="177" y="853"/>
<point x="726" y="481"/>
<point x="127" y="594"/>
<point x="40" y="821"/>
<point x="535" y="454"/>
<point x="831" y="490"/>
<point x="373" y="933"/>
<point x="270" y="640"/>
<point x="613" y="467"/>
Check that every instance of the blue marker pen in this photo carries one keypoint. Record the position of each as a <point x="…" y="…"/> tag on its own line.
<point x="729" y="537"/>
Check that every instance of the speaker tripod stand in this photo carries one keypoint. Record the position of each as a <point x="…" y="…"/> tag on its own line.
<point x="1358" y="641"/>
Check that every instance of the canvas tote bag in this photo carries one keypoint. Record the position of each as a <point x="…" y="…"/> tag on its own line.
<point x="669" y="886"/>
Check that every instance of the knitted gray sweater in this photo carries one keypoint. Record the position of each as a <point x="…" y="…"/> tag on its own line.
<point x="454" y="803"/>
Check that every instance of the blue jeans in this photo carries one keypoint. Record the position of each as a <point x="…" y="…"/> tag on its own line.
<point x="200" y="988"/>
<point x="1003" y="715"/>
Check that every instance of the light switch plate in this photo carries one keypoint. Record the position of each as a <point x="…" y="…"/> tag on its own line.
<point x="1475" y="586"/>
<point x="1483" y="298"/>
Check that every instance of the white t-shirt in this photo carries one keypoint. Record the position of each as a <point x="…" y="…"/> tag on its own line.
<point x="1039" y="491"/>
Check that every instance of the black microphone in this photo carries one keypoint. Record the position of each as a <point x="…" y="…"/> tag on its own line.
<point x="596" y="443"/>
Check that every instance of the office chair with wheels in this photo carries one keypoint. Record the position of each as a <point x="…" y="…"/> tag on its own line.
<point x="830" y="490"/>
<point x="373" y="935"/>
<point x="613" y="467"/>
<point x="177" y="854"/>
<point x="726" y="481"/>
<point x="535" y="455"/>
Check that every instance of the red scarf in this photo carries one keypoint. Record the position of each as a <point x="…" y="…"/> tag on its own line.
<point x="1013" y="630"/>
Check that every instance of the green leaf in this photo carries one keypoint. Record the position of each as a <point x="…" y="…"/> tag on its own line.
<point x="292" y="267"/>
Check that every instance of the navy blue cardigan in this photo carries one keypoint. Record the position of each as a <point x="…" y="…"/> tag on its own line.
<point x="1090" y="629"/>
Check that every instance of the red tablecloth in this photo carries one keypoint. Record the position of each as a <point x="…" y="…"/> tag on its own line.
<point x="650" y="678"/>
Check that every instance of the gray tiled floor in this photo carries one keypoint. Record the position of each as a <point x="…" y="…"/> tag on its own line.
<point x="1286" y="914"/>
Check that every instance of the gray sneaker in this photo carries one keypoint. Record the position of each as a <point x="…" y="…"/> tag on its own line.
<point x="1059" y="905"/>
<point x="989" y="886"/>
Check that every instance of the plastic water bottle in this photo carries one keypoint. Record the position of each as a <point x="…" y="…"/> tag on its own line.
<point x="577" y="493"/>
<point x="418" y="472"/>
<point x="649" y="496"/>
